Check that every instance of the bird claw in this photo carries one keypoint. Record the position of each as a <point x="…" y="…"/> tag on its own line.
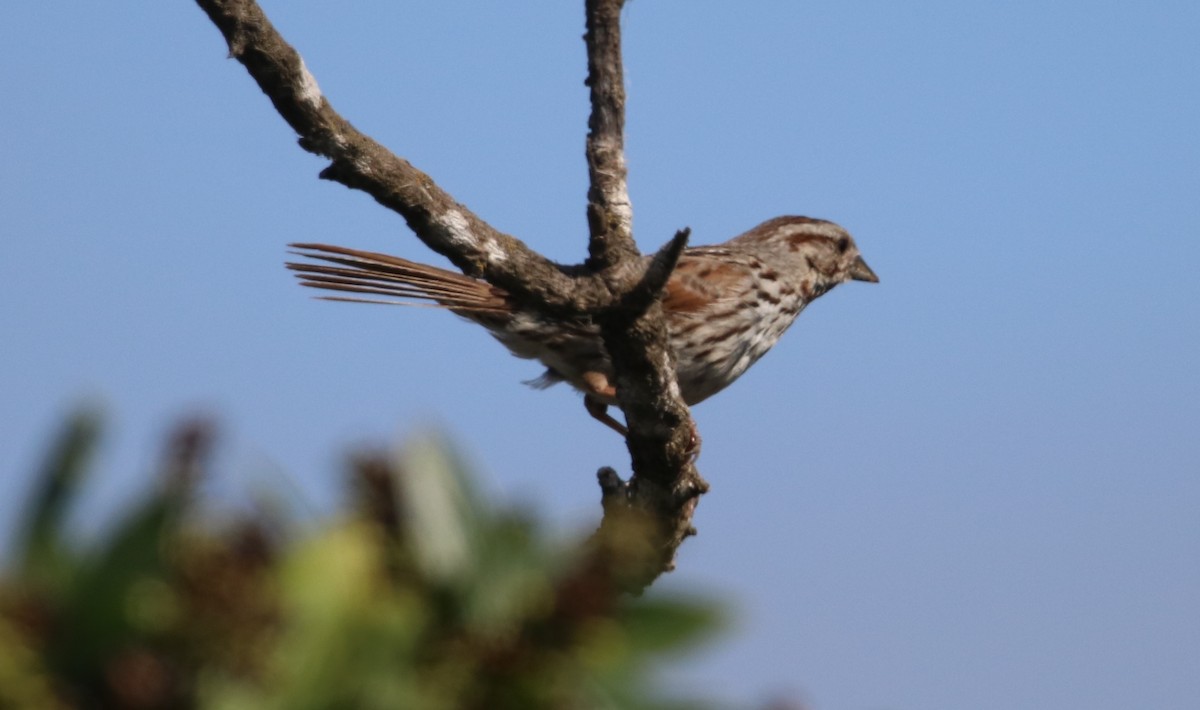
<point x="599" y="412"/>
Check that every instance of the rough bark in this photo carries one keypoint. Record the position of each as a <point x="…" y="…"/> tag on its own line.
<point x="647" y="518"/>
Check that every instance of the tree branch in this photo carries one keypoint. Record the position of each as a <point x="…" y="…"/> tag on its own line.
<point x="610" y="214"/>
<point x="617" y="287"/>
<point x="658" y="501"/>
<point x="358" y="162"/>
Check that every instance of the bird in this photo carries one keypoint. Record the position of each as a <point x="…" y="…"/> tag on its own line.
<point x="725" y="305"/>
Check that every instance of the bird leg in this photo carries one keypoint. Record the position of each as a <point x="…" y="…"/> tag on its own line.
<point x="599" y="411"/>
<point x="598" y="386"/>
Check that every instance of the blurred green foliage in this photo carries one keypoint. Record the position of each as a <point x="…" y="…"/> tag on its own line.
<point x="419" y="596"/>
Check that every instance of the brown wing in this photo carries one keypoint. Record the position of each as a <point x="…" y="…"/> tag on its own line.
<point x="375" y="274"/>
<point x="703" y="278"/>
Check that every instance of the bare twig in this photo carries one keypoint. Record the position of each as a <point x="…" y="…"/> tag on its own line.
<point x="358" y="162"/>
<point x="610" y="214"/>
<point x="617" y="287"/>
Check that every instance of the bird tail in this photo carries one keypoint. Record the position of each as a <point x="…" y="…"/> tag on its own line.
<point x="393" y="280"/>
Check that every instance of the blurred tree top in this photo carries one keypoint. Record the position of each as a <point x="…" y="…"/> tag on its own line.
<point x="418" y="595"/>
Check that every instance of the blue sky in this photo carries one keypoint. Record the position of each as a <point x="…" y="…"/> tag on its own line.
<point x="974" y="485"/>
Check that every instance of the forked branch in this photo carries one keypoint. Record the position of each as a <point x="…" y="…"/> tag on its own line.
<point x="647" y="518"/>
<point x="616" y="287"/>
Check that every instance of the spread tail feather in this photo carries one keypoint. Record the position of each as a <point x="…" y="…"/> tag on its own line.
<point x="400" y="280"/>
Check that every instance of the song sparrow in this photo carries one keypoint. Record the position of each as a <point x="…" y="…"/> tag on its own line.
<point x="726" y="305"/>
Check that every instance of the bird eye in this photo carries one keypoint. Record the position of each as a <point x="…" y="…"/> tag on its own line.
<point x="842" y="245"/>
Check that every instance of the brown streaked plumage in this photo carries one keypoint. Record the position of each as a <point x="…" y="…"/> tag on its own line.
<point x="726" y="304"/>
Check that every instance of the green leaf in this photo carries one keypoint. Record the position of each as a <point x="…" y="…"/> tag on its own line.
<point x="669" y="625"/>
<point x="348" y="632"/>
<point x="440" y="510"/>
<point x="513" y="577"/>
<point x="40" y="551"/>
<point x="24" y="682"/>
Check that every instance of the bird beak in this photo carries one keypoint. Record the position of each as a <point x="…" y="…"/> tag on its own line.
<point x="859" y="271"/>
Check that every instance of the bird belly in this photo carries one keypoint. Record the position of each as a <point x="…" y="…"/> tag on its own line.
<point x="707" y="365"/>
<point x="708" y="358"/>
<point x="567" y="350"/>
